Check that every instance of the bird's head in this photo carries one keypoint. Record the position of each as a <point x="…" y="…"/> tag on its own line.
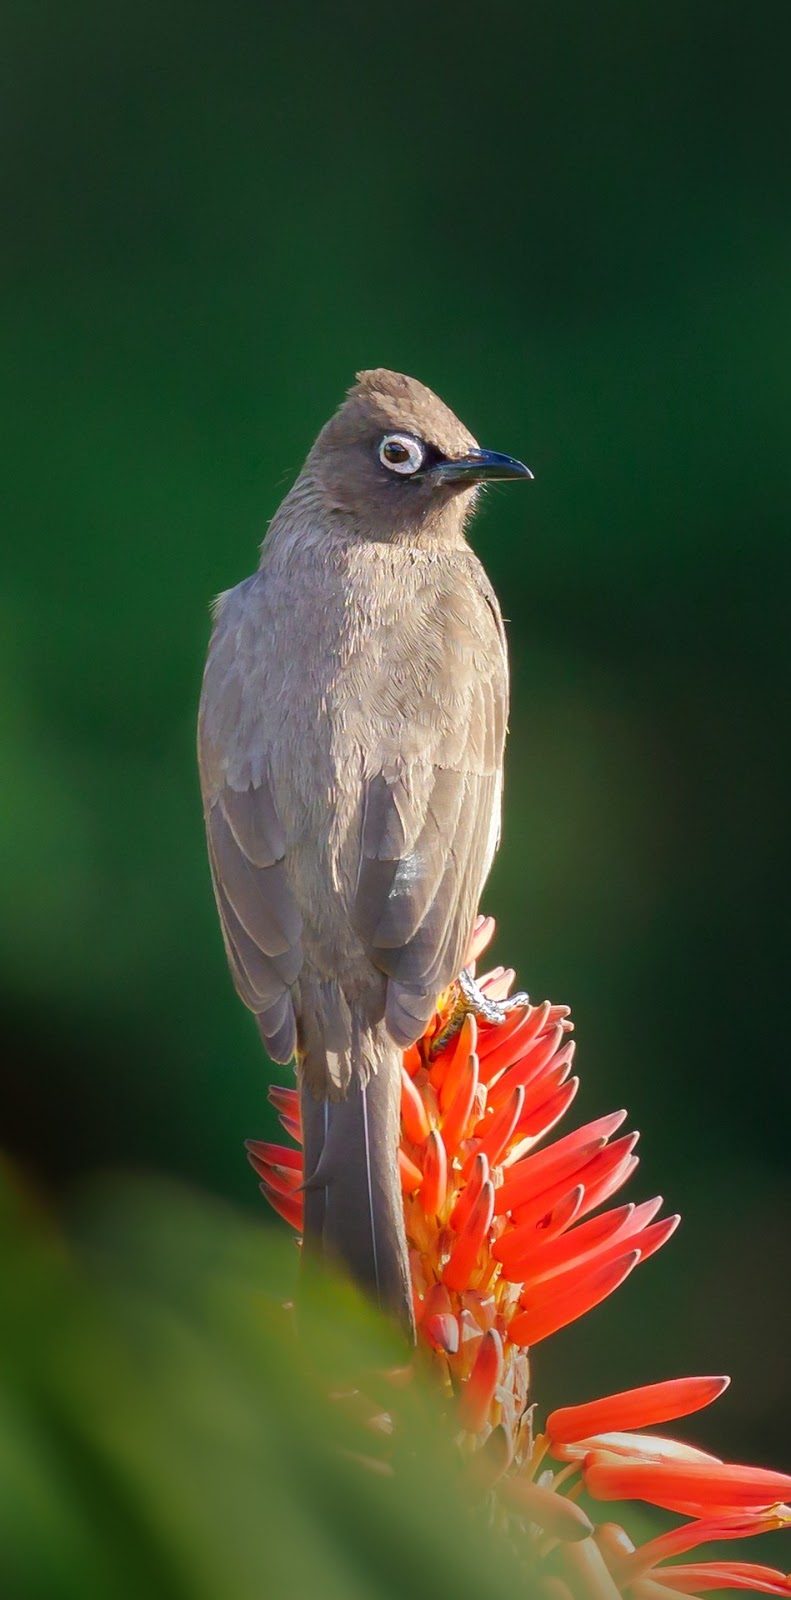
<point x="396" y="463"/>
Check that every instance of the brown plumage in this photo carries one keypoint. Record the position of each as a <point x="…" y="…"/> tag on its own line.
<point x="351" y="742"/>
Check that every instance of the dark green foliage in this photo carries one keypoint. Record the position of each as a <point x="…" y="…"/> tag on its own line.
<point x="165" y="1434"/>
<point x="572" y="221"/>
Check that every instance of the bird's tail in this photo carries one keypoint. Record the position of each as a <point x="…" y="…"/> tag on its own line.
<point x="353" y="1207"/>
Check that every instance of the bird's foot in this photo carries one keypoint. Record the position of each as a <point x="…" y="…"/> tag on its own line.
<point x="471" y="1000"/>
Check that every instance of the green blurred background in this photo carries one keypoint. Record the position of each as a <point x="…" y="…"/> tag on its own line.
<point x="572" y="221"/>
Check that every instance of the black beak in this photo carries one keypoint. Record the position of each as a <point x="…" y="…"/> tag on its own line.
<point x="479" y="466"/>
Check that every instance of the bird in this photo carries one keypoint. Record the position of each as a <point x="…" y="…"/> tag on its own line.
<point x="351" y="734"/>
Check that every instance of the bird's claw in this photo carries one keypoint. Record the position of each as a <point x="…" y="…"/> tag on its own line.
<point x="471" y="1000"/>
<point x="480" y="1005"/>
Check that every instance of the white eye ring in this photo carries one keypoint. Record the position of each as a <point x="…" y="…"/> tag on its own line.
<point x="403" y="446"/>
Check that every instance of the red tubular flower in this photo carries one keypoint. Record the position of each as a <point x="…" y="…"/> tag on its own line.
<point x="715" y="1484"/>
<point x="508" y="1243"/>
<point x="634" y="1408"/>
<point x="477" y="1396"/>
<point x="701" y="1576"/>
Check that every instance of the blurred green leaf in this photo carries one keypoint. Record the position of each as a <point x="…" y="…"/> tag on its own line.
<point x="168" y="1431"/>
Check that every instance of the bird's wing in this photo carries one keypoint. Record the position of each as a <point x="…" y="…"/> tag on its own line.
<point x="432" y="798"/>
<point x="260" y="920"/>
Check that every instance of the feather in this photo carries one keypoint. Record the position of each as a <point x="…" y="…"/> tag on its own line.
<point x="278" y="1028"/>
<point x="431" y="812"/>
<point x="254" y="823"/>
<point x="260" y="896"/>
<point x="315" y="1127"/>
<point x="353" y="1205"/>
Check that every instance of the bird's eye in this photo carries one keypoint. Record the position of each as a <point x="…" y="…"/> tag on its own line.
<point x="401" y="453"/>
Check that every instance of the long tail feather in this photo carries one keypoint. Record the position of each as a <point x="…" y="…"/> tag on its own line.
<point x="353" y="1204"/>
<point x="315" y="1117"/>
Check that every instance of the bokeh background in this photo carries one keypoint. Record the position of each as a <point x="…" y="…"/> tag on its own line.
<point x="572" y="221"/>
